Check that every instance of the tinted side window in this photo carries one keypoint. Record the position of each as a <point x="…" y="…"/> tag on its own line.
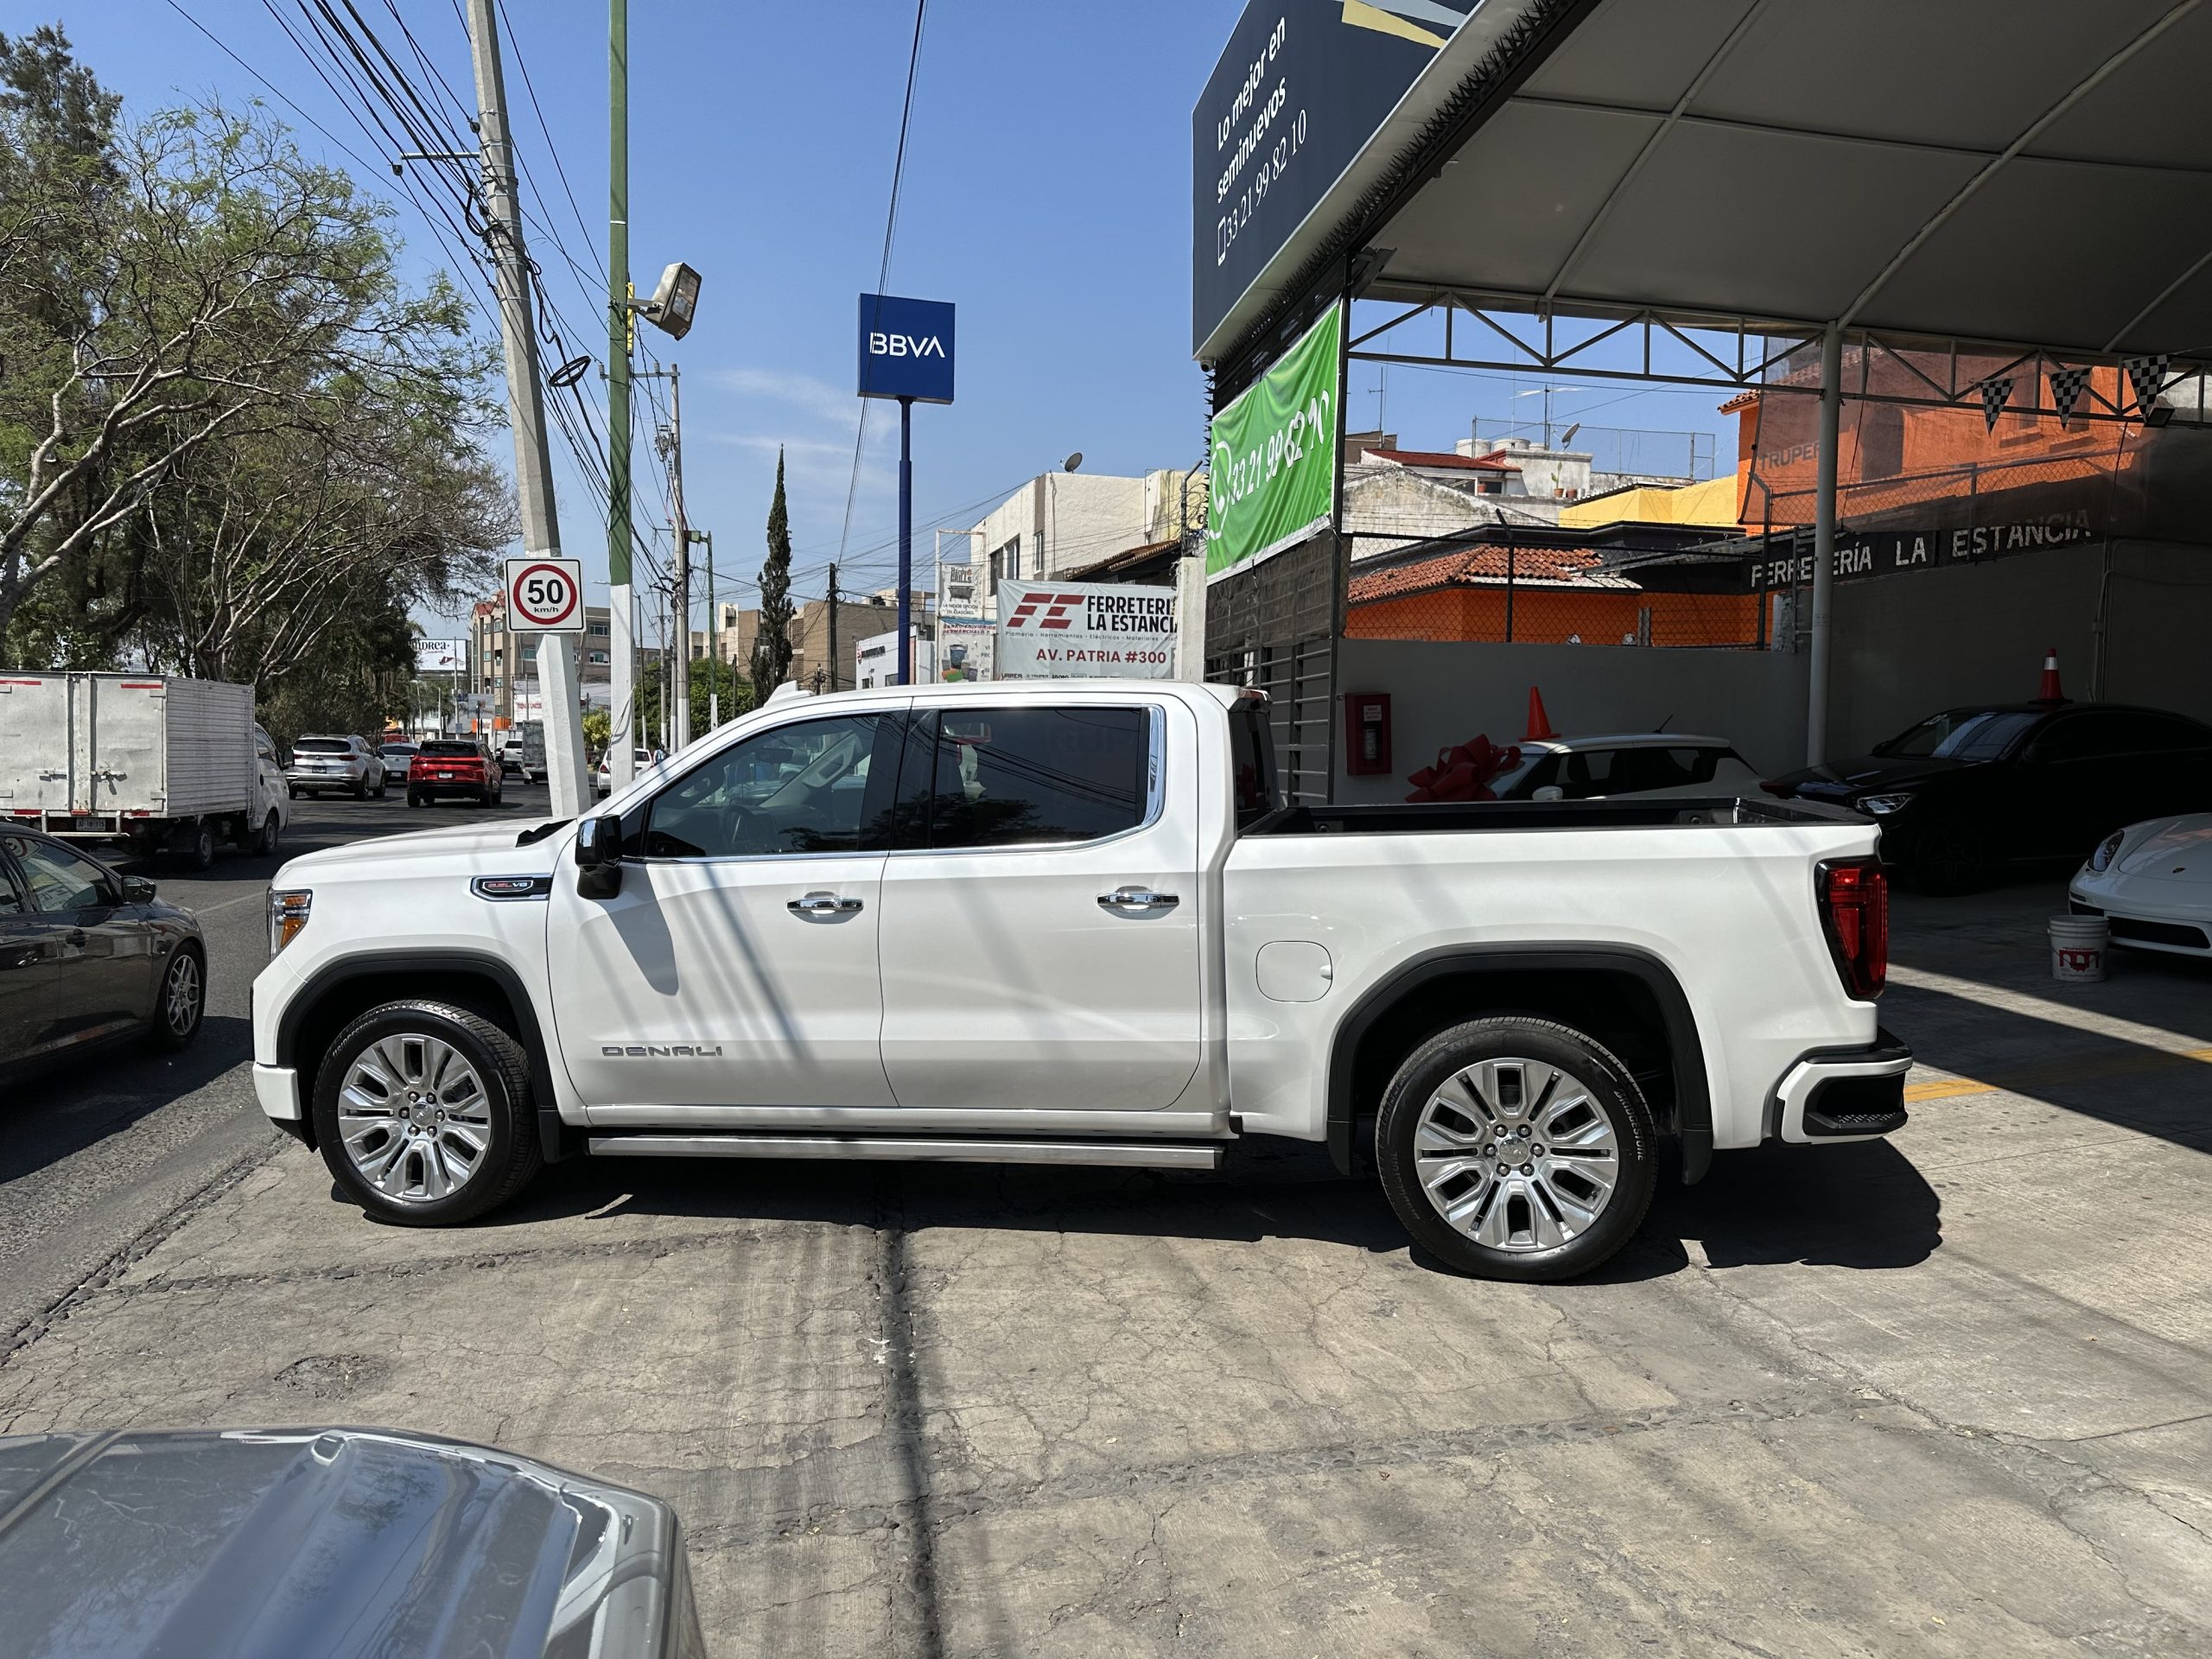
<point x="802" y="788"/>
<point x="60" y="880"/>
<point x="2089" y="736"/>
<point x="1014" y="777"/>
<point x="1252" y="760"/>
<point x="2164" y="733"/>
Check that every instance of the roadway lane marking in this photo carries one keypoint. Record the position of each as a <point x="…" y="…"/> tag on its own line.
<point x="2027" y="1082"/>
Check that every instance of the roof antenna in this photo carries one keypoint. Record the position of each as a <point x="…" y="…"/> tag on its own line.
<point x="1663" y="724"/>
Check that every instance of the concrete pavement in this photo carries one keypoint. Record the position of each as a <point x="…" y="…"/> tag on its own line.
<point x="1944" y="1395"/>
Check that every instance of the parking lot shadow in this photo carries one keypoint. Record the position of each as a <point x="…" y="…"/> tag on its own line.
<point x="1859" y="1206"/>
<point x="52" y="1109"/>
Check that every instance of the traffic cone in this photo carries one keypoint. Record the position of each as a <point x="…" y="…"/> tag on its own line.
<point x="1540" y="724"/>
<point x="2048" y="691"/>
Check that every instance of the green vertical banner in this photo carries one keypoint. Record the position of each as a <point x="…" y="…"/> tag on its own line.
<point x="1275" y="455"/>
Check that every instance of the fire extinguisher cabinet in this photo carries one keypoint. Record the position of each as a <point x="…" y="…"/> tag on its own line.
<point x="1367" y="734"/>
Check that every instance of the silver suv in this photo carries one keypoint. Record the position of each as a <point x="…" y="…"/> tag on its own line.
<point x="321" y="763"/>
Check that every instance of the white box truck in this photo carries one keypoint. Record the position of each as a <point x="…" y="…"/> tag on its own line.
<point x="158" y="762"/>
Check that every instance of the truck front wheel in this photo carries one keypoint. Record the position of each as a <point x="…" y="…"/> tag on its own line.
<point x="1517" y="1148"/>
<point x="423" y="1111"/>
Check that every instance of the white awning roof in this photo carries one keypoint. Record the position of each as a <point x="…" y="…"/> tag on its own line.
<point x="2032" y="172"/>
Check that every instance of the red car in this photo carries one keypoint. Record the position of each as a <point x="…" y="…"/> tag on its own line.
<point x="451" y="766"/>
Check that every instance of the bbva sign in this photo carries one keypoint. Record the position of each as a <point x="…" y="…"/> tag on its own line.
<point x="906" y="348"/>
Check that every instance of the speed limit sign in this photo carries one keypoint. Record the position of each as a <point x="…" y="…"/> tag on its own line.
<point x="545" y="596"/>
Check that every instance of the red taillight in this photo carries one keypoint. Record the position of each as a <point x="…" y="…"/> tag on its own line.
<point x="1855" y="908"/>
<point x="1780" y="792"/>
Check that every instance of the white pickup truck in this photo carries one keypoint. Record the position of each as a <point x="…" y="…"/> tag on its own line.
<point x="1074" y="923"/>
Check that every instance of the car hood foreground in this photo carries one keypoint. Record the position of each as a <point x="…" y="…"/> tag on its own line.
<point x="484" y="846"/>
<point x="269" y="1544"/>
<point x="2179" y="849"/>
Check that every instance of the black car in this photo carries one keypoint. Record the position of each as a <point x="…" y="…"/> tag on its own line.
<point x="1969" y="789"/>
<point x="86" y="954"/>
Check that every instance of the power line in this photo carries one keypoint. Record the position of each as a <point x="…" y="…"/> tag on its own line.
<point x="890" y="228"/>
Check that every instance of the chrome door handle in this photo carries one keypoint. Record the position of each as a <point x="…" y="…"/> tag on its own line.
<point x="822" y="904"/>
<point x="1137" y="899"/>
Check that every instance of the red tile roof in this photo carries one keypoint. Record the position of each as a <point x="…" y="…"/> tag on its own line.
<point x="1451" y="462"/>
<point x="1481" y="567"/>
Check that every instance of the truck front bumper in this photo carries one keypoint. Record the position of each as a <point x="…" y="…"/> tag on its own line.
<point x="1855" y="1094"/>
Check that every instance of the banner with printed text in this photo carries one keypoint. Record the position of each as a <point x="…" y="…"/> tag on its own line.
<point x="1275" y="455"/>
<point x="1073" y="630"/>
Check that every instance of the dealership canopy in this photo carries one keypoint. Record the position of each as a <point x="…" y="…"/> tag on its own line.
<point x="2030" y="172"/>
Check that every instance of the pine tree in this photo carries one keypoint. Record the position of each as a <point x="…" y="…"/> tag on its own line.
<point x="771" y="640"/>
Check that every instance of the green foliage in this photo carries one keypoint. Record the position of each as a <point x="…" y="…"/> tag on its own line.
<point x="599" y="726"/>
<point x="708" y="676"/>
<point x="772" y="642"/>
<point x="233" y="442"/>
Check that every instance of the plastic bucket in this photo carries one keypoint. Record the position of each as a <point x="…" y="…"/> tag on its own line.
<point x="2078" y="947"/>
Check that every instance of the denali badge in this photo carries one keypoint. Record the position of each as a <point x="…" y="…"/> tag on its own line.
<point x="660" y="1051"/>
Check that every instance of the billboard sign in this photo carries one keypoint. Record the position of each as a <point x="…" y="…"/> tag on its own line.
<point x="442" y="655"/>
<point x="1301" y="87"/>
<point x="1274" y="467"/>
<point x="967" y="648"/>
<point x="1066" y="630"/>
<point x="1888" y="552"/>
<point x="906" y="348"/>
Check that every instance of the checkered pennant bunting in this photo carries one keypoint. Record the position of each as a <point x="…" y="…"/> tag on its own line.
<point x="2148" y="376"/>
<point x="2066" y="390"/>
<point x="1995" y="394"/>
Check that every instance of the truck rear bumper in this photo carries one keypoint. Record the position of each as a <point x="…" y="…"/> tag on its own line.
<point x="1855" y="1094"/>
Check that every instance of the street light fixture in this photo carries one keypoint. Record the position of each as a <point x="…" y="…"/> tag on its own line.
<point x="674" y="302"/>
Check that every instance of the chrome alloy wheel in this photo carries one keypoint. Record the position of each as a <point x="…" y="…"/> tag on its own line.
<point x="1516" y="1155"/>
<point x="181" y="996"/>
<point x="414" y="1118"/>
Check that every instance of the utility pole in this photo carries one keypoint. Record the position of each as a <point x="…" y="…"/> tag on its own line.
<point x="541" y="535"/>
<point x="622" y="741"/>
<point x="680" y="600"/>
<point x="714" y="635"/>
<point x="832" y="663"/>
<point x="905" y="657"/>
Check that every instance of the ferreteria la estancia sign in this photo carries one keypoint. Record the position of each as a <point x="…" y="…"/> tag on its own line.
<point x="1891" y="552"/>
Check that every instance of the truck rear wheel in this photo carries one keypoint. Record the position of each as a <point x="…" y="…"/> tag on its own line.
<point x="1517" y="1148"/>
<point x="423" y="1114"/>
<point x="193" y="843"/>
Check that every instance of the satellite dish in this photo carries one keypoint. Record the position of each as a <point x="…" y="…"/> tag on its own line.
<point x="1568" y="436"/>
<point x="569" y="373"/>
<point x="1073" y="461"/>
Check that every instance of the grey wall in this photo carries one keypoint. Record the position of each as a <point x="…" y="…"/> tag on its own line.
<point x="1907" y="645"/>
<point x="1444" y="692"/>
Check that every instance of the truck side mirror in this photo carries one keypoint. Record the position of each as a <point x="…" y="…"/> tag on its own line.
<point x="598" y="857"/>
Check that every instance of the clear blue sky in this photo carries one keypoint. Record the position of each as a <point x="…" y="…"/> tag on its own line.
<point x="1046" y="192"/>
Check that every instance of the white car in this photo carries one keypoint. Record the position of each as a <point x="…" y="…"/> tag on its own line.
<point x="1627" y="763"/>
<point x="2152" y="881"/>
<point x="602" y="781"/>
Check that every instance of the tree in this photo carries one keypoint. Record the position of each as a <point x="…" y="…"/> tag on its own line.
<point x="771" y="641"/>
<point x="210" y="283"/>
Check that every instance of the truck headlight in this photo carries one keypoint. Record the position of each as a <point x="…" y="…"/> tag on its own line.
<point x="288" y="914"/>
<point x="1882" y="805"/>
<point x="2107" y="850"/>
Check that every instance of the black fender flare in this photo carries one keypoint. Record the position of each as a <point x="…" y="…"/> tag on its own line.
<point x="555" y="1139"/>
<point x="1693" y="1093"/>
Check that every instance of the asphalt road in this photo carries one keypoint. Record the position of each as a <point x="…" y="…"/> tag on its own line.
<point x="101" y="1150"/>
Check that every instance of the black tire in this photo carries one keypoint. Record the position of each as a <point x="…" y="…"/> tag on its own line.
<point x="263" y="844"/>
<point x="195" y="847"/>
<point x="296" y="794"/>
<point x="415" y="799"/>
<point x="378" y="792"/>
<point x="485" y="797"/>
<point x="360" y="790"/>
<point x="511" y="1158"/>
<point x="1611" y="1093"/>
<point x="1949" y="858"/>
<point x="182" y="1004"/>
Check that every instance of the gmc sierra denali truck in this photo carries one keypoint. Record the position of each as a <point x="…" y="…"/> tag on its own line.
<point x="1074" y="922"/>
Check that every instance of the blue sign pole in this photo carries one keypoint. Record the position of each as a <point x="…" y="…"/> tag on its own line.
<point x="906" y="540"/>
<point x="906" y="352"/>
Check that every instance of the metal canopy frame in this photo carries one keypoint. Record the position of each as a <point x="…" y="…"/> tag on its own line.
<point x="1532" y="328"/>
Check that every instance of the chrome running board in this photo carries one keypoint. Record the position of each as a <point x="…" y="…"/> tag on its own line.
<point x="1128" y="1154"/>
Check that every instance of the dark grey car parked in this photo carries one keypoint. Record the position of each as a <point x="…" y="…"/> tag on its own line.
<point x="87" y="954"/>
<point x="342" y="1543"/>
